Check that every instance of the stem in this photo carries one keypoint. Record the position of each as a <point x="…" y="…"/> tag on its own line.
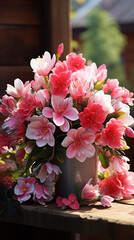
<point x="47" y="83"/>
<point x="52" y="156"/>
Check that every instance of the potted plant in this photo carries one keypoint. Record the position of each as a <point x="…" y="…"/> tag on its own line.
<point x="68" y="123"/>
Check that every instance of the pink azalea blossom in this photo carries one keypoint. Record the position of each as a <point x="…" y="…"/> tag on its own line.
<point x="43" y="192"/>
<point x="7" y="104"/>
<point x="127" y="96"/>
<point x="75" y="62"/>
<point x="60" y="79"/>
<point x="90" y="192"/>
<point x="15" y="128"/>
<point x="79" y="143"/>
<point x="106" y="201"/>
<point x="19" y="88"/>
<point x="112" y="135"/>
<point x="42" y="97"/>
<point x="118" y="164"/>
<point x="79" y="83"/>
<point x="47" y="170"/>
<point x="71" y="201"/>
<point x="99" y="74"/>
<point x="62" y="109"/>
<point x="39" y="82"/>
<point x="92" y="117"/>
<point x="41" y="130"/>
<point x="129" y="132"/>
<point x="43" y="65"/>
<point x="24" y="188"/>
<point x="59" y="201"/>
<point x="112" y="87"/>
<point x="25" y="107"/>
<point x="118" y="186"/>
<point x="60" y="49"/>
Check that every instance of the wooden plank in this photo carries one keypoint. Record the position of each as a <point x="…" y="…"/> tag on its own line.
<point x="20" y="12"/>
<point x="112" y="223"/>
<point x="19" y="44"/>
<point x="9" y="73"/>
<point x="60" y="25"/>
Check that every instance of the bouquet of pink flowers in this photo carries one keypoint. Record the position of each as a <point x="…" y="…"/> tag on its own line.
<point x="70" y="106"/>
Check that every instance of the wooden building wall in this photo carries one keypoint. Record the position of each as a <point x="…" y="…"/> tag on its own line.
<point x="27" y="29"/>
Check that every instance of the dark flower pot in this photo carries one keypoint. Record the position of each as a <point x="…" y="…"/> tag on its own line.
<point x="75" y="173"/>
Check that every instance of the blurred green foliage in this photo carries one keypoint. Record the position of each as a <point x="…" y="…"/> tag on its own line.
<point x="103" y="42"/>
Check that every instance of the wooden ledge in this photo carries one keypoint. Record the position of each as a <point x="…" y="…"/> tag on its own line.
<point x="116" y="222"/>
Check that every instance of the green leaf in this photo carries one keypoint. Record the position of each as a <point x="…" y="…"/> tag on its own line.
<point x="59" y="156"/>
<point x="78" y="191"/>
<point x="104" y="160"/>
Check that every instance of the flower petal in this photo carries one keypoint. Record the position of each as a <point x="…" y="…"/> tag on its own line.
<point x="47" y="112"/>
<point x="71" y="151"/>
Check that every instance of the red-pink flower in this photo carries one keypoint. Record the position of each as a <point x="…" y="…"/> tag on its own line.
<point x="24" y="188"/>
<point x="79" y="143"/>
<point x="43" y="192"/>
<point x="118" y="186"/>
<point x="62" y="109"/>
<point x="60" y="79"/>
<point x="41" y="130"/>
<point x="75" y="62"/>
<point x="43" y="65"/>
<point x="59" y="201"/>
<point x="111" y="186"/>
<point x="71" y="201"/>
<point x="25" y="107"/>
<point x="112" y="87"/>
<point x="127" y="96"/>
<point x="106" y="201"/>
<point x="19" y="88"/>
<point x="92" y="117"/>
<point x="112" y="135"/>
<point x="90" y="192"/>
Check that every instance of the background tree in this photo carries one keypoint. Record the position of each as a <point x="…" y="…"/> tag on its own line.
<point x="103" y="42"/>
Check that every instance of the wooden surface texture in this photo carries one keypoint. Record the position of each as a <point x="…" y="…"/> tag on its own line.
<point x="114" y="223"/>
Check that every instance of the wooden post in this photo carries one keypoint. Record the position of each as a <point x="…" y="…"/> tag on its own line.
<point x="60" y="25"/>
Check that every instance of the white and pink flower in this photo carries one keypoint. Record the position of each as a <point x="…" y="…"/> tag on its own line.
<point x="41" y="130"/>
<point x="43" y="192"/>
<point x="19" y="89"/>
<point x="24" y="188"/>
<point x="79" y="143"/>
<point x="106" y="201"/>
<point x="47" y="170"/>
<point x="62" y="110"/>
<point x="43" y="65"/>
<point x="38" y="82"/>
<point x="98" y="74"/>
<point x="90" y="192"/>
